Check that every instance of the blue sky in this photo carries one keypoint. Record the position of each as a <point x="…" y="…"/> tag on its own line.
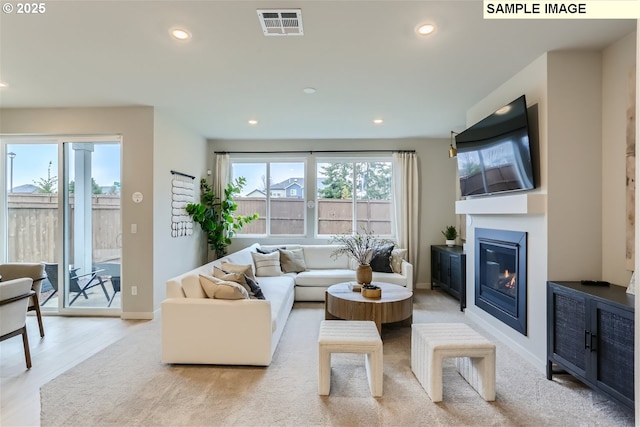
<point x="32" y="160"/>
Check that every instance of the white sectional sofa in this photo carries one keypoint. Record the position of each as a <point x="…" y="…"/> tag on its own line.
<point x="201" y="330"/>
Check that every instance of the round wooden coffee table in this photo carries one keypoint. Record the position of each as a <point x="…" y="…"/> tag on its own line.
<point x="395" y="304"/>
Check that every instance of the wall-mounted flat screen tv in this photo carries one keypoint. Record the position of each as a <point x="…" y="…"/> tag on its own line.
<point x="494" y="155"/>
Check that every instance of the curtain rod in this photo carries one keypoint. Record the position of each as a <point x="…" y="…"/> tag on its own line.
<point x="315" y="151"/>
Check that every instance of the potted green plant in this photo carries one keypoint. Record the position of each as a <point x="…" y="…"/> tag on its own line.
<point x="450" y="234"/>
<point x="217" y="216"/>
<point x="360" y="246"/>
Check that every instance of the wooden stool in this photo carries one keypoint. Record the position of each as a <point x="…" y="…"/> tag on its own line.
<point x="350" y="336"/>
<point x="476" y="357"/>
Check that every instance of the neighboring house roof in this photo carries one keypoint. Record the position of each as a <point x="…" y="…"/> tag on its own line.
<point x="283" y="185"/>
<point x="255" y="193"/>
<point x="25" y="188"/>
<point x="288" y="183"/>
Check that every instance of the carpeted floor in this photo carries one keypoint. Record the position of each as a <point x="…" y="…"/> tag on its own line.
<point x="127" y="385"/>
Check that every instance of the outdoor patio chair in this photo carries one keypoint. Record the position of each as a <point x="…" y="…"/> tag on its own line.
<point x="110" y="271"/>
<point x="34" y="270"/>
<point x="14" y="299"/>
<point x="78" y="284"/>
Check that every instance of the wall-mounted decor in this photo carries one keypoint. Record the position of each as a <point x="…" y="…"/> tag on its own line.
<point x="631" y="171"/>
<point x="182" y="193"/>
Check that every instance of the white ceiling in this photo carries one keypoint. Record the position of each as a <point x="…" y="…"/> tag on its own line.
<point x="363" y="57"/>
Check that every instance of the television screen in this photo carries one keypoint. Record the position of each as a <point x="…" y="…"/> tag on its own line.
<point x="494" y="154"/>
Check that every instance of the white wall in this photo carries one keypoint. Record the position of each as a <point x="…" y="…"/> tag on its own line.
<point x="436" y="171"/>
<point x="175" y="148"/>
<point x="617" y="64"/>
<point x="574" y="165"/>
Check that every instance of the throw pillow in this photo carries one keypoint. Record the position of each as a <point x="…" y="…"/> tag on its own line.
<point x="238" y="268"/>
<point x="292" y="261"/>
<point x="230" y="276"/>
<point x="256" y="290"/>
<point x="249" y="284"/>
<point x="266" y="251"/>
<point x="267" y="264"/>
<point x="222" y="289"/>
<point x="381" y="259"/>
<point x="397" y="256"/>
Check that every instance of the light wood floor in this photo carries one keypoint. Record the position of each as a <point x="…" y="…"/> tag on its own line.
<point x="67" y="342"/>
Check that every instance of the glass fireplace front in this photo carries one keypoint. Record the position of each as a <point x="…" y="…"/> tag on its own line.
<point x="501" y="276"/>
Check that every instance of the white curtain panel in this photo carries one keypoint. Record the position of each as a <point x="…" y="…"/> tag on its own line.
<point x="406" y="201"/>
<point x="222" y="174"/>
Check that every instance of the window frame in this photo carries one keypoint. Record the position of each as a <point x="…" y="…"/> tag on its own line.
<point x="268" y="160"/>
<point x="310" y="163"/>
<point x="354" y="214"/>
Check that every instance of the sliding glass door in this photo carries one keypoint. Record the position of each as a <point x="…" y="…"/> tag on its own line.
<point x="62" y="208"/>
<point x="92" y="231"/>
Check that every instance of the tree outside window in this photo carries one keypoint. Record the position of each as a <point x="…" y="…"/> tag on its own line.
<point x="339" y="212"/>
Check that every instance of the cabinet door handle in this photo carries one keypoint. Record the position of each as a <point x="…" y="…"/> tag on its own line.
<point x="587" y="339"/>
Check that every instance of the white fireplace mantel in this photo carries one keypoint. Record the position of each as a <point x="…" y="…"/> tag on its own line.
<point x="513" y="204"/>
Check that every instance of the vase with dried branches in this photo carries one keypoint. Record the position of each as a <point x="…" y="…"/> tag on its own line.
<point x="360" y="246"/>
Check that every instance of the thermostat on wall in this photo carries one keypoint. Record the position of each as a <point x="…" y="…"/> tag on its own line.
<point x="137" y="197"/>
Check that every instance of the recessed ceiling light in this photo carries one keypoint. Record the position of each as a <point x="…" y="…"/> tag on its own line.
<point x="425" y="29"/>
<point x="180" y="34"/>
<point x="377" y="121"/>
<point x="3" y="84"/>
<point x="253" y="122"/>
<point x="309" y="90"/>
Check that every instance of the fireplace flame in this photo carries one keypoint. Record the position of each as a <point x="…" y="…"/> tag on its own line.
<point x="511" y="283"/>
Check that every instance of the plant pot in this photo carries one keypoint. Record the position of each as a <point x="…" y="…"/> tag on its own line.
<point x="364" y="274"/>
<point x="450" y="242"/>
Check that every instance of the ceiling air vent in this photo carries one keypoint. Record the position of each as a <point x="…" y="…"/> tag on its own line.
<point x="281" y="22"/>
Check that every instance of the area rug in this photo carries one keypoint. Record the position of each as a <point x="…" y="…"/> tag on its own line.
<point x="127" y="385"/>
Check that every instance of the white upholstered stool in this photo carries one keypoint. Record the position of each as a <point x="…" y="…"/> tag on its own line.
<point x="350" y="336"/>
<point x="476" y="357"/>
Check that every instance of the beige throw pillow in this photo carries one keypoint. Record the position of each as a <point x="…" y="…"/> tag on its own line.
<point x="267" y="264"/>
<point x="247" y="282"/>
<point x="239" y="268"/>
<point x="397" y="255"/>
<point x="222" y="289"/>
<point x="230" y="276"/>
<point x="292" y="261"/>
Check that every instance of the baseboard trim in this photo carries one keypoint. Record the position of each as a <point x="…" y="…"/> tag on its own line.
<point x="423" y="285"/>
<point x="540" y="365"/>
<point x="132" y="315"/>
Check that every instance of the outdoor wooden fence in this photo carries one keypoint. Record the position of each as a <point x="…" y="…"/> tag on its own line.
<point x="33" y="223"/>
<point x="334" y="215"/>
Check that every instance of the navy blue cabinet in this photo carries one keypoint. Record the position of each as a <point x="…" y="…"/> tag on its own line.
<point x="590" y="334"/>
<point x="448" y="271"/>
